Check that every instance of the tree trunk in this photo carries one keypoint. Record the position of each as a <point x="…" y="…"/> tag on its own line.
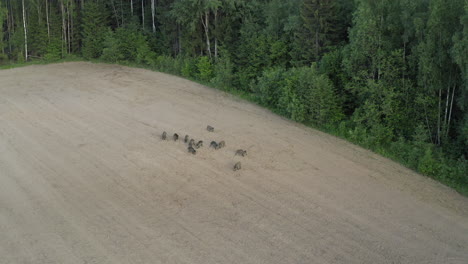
<point x="438" y="120"/>
<point x="115" y="13"/>
<point x="216" y="48"/>
<point x="64" y="30"/>
<point x="72" y="7"/>
<point x="47" y="18"/>
<point x="451" y="107"/>
<point x="216" y="35"/>
<point x="152" y="15"/>
<point x="68" y="28"/>
<point x="447" y="105"/>
<point x="121" y="12"/>
<point x="25" y="34"/>
<point x="12" y="24"/>
<point x="143" y="14"/>
<point x="9" y="24"/>
<point x="429" y="128"/>
<point x="179" y="40"/>
<point x="131" y="7"/>
<point x="206" y="25"/>
<point x="39" y="15"/>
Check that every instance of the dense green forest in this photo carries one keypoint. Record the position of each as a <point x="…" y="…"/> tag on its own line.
<point x="389" y="75"/>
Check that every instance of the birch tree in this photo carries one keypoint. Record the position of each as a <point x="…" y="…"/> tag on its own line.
<point x="206" y="26"/>
<point x="47" y="18"/>
<point x="143" y="14"/>
<point x="25" y="32"/>
<point x="116" y="16"/>
<point x="438" y="74"/>
<point x="152" y="15"/>
<point x="191" y="13"/>
<point x="64" y="27"/>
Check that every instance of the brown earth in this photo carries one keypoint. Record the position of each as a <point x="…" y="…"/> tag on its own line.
<point x="85" y="178"/>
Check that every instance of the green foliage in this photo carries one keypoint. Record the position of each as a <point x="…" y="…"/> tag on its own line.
<point x="437" y="70"/>
<point x="427" y="164"/>
<point x="279" y="54"/>
<point x="319" y="18"/>
<point x="331" y="65"/>
<point x="127" y="44"/>
<point x="17" y="42"/>
<point x="223" y="73"/>
<point x="54" y="50"/>
<point x="290" y="105"/>
<point x="111" y="45"/>
<point x="458" y="53"/>
<point x="54" y="47"/>
<point x="37" y="37"/>
<point x="144" y="55"/>
<point x="94" y="30"/>
<point x="3" y="59"/>
<point x="3" y="15"/>
<point x="189" y="68"/>
<point x="299" y="93"/>
<point x="317" y="94"/>
<point x="269" y="86"/>
<point x="253" y="55"/>
<point x="172" y="65"/>
<point x="205" y="69"/>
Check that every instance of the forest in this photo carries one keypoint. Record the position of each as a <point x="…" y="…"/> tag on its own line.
<point x="388" y="75"/>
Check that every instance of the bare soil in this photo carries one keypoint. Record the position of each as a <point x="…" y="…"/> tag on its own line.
<point x="86" y="178"/>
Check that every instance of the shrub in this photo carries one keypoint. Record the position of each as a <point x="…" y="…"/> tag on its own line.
<point x="145" y="55"/>
<point x="127" y="44"/>
<point x="93" y="30"/>
<point x="427" y="163"/>
<point x="189" y="68"/>
<point x="20" y="57"/>
<point x="172" y="65"/>
<point x="166" y="63"/>
<point x="290" y="105"/>
<point x="300" y="92"/>
<point x="111" y="52"/>
<point x="318" y="96"/>
<point x="3" y="59"/>
<point x="269" y="85"/>
<point x="205" y="69"/>
<point x="223" y="75"/>
<point x="54" y="50"/>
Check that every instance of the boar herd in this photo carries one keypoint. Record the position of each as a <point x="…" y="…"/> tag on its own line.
<point x="193" y="146"/>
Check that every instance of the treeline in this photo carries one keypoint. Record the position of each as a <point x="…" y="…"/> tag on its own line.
<point x="390" y="75"/>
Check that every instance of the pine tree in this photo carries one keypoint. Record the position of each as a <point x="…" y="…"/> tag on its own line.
<point x="25" y="32"/>
<point x="319" y="31"/>
<point x="37" y="34"/>
<point x="94" y="27"/>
